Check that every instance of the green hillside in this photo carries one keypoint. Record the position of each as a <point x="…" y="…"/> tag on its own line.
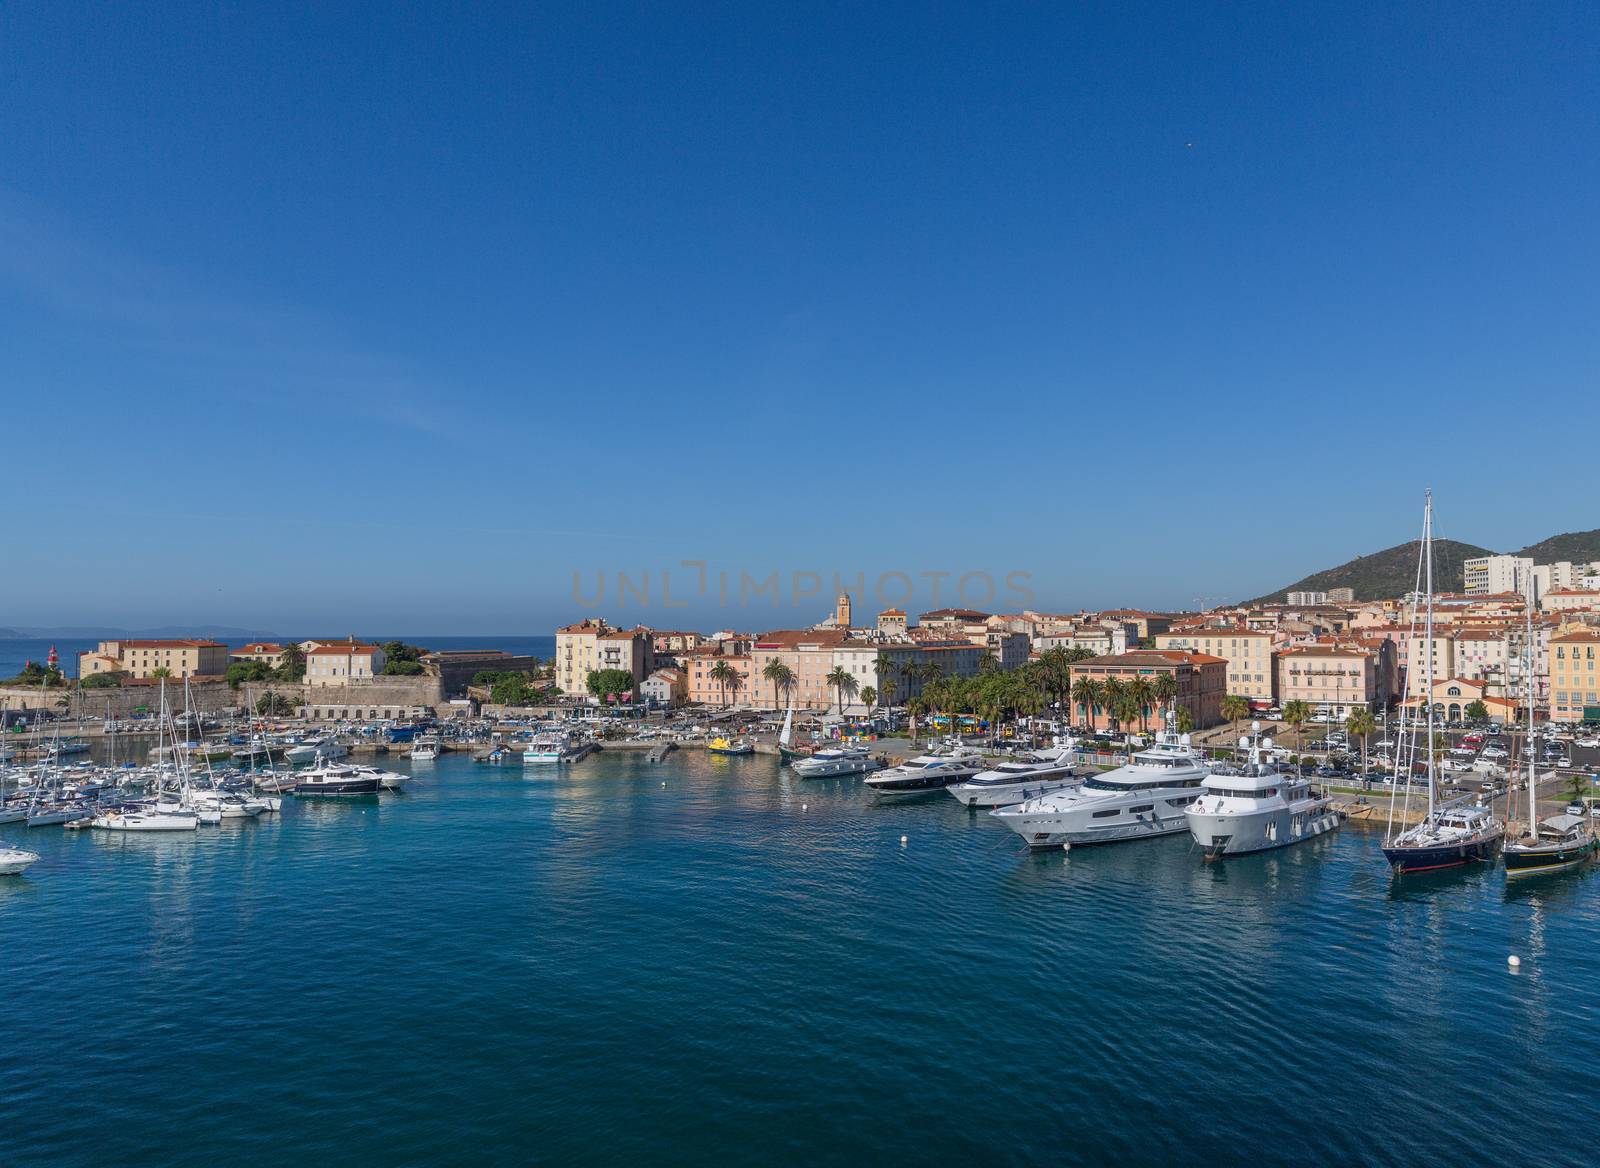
<point x="1580" y="547"/>
<point x="1391" y="572"/>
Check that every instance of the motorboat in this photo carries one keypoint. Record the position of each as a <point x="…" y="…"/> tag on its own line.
<point x="1258" y="807"/>
<point x="1145" y="797"/>
<point x="425" y="749"/>
<point x="16" y="861"/>
<point x="833" y="761"/>
<point x="925" y="773"/>
<point x="338" y="781"/>
<point x="556" y="746"/>
<point x="1018" y="780"/>
<point x="721" y="745"/>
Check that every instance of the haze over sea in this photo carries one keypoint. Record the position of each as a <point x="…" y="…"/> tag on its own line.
<point x="711" y="961"/>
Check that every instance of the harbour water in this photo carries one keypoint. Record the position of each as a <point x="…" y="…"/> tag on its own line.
<point x="710" y="961"/>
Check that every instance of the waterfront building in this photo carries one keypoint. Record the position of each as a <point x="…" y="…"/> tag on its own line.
<point x="665" y="687"/>
<point x="1252" y="671"/>
<point x="1331" y="679"/>
<point x="143" y="658"/>
<point x="1574" y="679"/>
<point x="343" y="662"/>
<point x="1453" y="696"/>
<point x="267" y="652"/>
<point x="1202" y="682"/>
<point x="702" y="687"/>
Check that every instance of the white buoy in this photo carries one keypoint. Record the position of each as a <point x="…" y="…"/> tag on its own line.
<point x="805" y="806"/>
<point x="903" y="840"/>
<point x="1513" y="961"/>
<point x="663" y="782"/>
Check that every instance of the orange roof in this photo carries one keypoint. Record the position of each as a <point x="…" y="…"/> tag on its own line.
<point x="170" y="644"/>
<point x="343" y="649"/>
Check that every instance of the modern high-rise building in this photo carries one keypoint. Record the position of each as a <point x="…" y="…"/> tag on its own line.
<point x="1490" y="574"/>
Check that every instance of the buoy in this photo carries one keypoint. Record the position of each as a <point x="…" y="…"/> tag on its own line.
<point x="663" y="782"/>
<point x="804" y="806"/>
<point x="1513" y="961"/>
<point x="903" y="840"/>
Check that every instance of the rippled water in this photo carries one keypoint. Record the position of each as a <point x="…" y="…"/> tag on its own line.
<point x="740" y="966"/>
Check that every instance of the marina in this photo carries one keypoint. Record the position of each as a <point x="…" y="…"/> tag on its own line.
<point x="803" y="896"/>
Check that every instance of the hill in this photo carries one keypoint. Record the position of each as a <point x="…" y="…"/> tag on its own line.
<point x="1391" y="572"/>
<point x="1580" y="547"/>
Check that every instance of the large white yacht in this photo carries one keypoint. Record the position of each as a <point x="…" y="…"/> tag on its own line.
<point x="1258" y="808"/>
<point x="835" y="760"/>
<point x="1144" y="797"/>
<point x="926" y="772"/>
<point x="1019" y="780"/>
<point x="556" y="746"/>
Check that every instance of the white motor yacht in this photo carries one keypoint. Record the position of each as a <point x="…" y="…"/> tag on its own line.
<point x="425" y="749"/>
<point x="15" y="861"/>
<point x="925" y="773"/>
<point x="1019" y="780"/>
<point x="1259" y="807"/>
<point x="1147" y="796"/>
<point x="556" y="746"/>
<point x="158" y="816"/>
<point x="835" y="760"/>
<point x="338" y="780"/>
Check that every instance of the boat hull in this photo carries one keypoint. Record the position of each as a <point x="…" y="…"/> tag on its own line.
<point x="1437" y="857"/>
<point x="1239" y="835"/>
<point x="1543" y="858"/>
<point x="15" y="861"/>
<point x="1042" y="830"/>
<point x="340" y="788"/>
<point x="1011" y="794"/>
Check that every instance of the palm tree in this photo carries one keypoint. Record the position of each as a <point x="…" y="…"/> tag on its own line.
<point x="1233" y="708"/>
<point x="1165" y="687"/>
<point x="1112" y="691"/>
<point x="869" y="696"/>
<point x="914" y="709"/>
<point x="884" y="669"/>
<point x="1086" y="692"/>
<point x="781" y="677"/>
<point x="1141" y="693"/>
<point x="845" y="683"/>
<point x="1363" y="723"/>
<point x="1185" y="720"/>
<point x="723" y="674"/>
<point x="1297" y="714"/>
<point x="886" y="689"/>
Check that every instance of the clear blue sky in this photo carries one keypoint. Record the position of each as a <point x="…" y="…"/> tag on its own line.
<point x="397" y="316"/>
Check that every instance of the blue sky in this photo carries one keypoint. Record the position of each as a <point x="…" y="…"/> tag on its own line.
<point x="399" y="316"/>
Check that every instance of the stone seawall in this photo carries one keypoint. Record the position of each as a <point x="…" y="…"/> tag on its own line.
<point x="385" y="697"/>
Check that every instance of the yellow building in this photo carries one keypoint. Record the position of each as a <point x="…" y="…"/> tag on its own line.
<point x="179" y="658"/>
<point x="1248" y="652"/>
<point x="1574" y="680"/>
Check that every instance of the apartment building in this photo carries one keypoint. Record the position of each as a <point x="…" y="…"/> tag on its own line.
<point x="1336" y="679"/>
<point x="1201" y="679"/>
<point x="143" y="658"/>
<point x="1249" y="653"/>
<point x="342" y="662"/>
<point x="1574" y="678"/>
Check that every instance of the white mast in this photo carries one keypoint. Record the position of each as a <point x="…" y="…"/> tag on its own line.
<point x="1427" y="554"/>
<point x="1527" y="742"/>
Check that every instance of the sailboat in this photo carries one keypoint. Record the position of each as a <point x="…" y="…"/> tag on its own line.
<point x="167" y="811"/>
<point x="786" y="751"/>
<point x="1561" y="841"/>
<point x="1450" y="834"/>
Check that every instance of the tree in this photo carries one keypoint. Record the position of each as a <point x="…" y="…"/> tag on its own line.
<point x="1141" y="693"/>
<point x="242" y="671"/>
<point x="292" y="666"/>
<point x="885" y="670"/>
<point x="914" y="709"/>
<point x="274" y="705"/>
<point x="609" y="683"/>
<point x="1233" y="708"/>
<point x="103" y="680"/>
<point x="781" y="677"/>
<point x="1112" y="692"/>
<point x="844" y="683"/>
<point x="869" y="696"/>
<point x="511" y="689"/>
<point x="1362" y="723"/>
<point x="1578" y="787"/>
<point x="1185" y="720"/>
<point x="886" y="689"/>
<point x="160" y="671"/>
<point x="1166" y="689"/>
<point x="1476" y="711"/>
<point x="1297" y="714"/>
<point x="724" y="675"/>
<point x="1086" y="692"/>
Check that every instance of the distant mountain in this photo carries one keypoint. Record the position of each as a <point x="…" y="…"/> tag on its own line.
<point x="102" y="632"/>
<point x="1391" y="572"/>
<point x="10" y="635"/>
<point x="1579" y="547"/>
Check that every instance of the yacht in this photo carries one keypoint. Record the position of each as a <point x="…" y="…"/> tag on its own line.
<point x="926" y="772"/>
<point x="16" y="861"/>
<point x="1258" y="807"/>
<point x="162" y="815"/>
<point x="1556" y="844"/>
<point x="1450" y="835"/>
<point x="1146" y="796"/>
<point x="1018" y="781"/>
<point x="426" y="748"/>
<point x="556" y="746"/>
<point x="338" y="780"/>
<point x="835" y="760"/>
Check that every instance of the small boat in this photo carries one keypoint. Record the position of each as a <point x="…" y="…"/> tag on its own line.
<point x="159" y="816"/>
<point x="925" y="773"/>
<point x="837" y="760"/>
<point x="16" y="861"/>
<point x="426" y="748"/>
<point x="558" y="746"/>
<point x="720" y="745"/>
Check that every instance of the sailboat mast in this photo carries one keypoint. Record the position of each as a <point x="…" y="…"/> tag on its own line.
<point x="1427" y="554"/>
<point x="1527" y="742"/>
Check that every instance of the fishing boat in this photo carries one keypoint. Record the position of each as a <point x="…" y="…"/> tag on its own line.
<point x="721" y="745"/>
<point x="1453" y="834"/>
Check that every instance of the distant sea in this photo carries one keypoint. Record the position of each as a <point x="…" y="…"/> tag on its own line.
<point x="15" y="653"/>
